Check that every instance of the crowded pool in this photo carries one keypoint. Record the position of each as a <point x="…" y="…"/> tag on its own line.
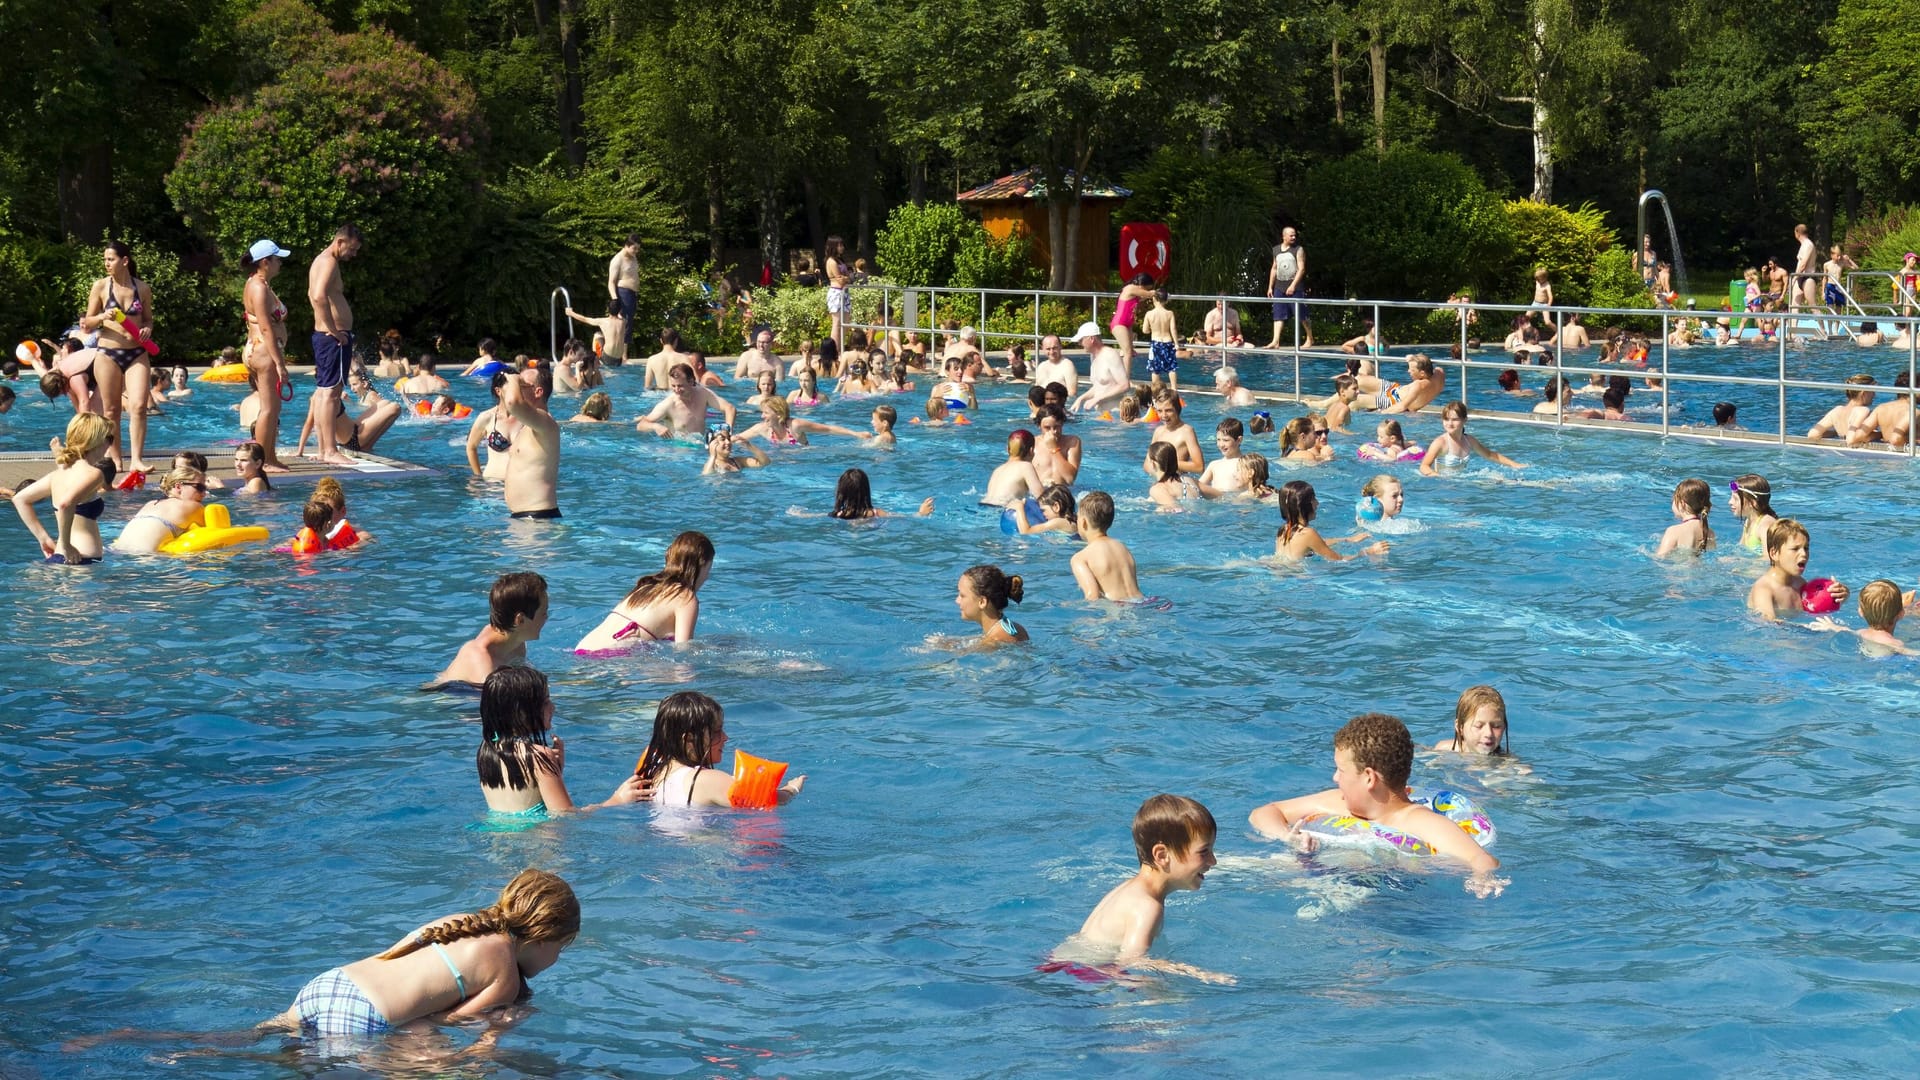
<point x="226" y="780"/>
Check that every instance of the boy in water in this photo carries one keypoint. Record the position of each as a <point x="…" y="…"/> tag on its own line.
<point x="1882" y="605"/>
<point x="1372" y="757"/>
<point x="518" y="612"/>
<point x="1173" y="837"/>
<point x="884" y="418"/>
<point x="1222" y="474"/>
<point x="1779" y="589"/>
<point x="1104" y="568"/>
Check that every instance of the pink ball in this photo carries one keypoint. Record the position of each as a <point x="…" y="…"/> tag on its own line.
<point x="1815" y="598"/>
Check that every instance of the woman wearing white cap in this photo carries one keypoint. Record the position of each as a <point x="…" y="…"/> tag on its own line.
<point x="266" y="351"/>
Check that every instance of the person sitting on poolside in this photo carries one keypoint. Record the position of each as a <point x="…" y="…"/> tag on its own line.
<point x="685" y="407"/>
<point x="1221" y="326"/>
<point x="1842" y="420"/>
<point x="516" y="613"/>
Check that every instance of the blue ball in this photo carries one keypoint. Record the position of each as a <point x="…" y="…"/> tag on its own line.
<point x="1369" y="509"/>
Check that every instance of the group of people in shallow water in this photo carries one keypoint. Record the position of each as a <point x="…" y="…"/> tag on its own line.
<point x="483" y="960"/>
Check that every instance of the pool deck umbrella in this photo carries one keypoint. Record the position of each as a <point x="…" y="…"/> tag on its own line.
<point x="1016" y="205"/>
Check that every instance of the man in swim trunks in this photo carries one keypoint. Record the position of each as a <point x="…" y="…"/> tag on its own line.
<point x="533" y="461"/>
<point x="1054" y="367"/>
<point x="685" y="408"/>
<point x="332" y="339"/>
<point x="1891" y="423"/>
<point x="757" y="359"/>
<point x="1222" y="326"/>
<point x="662" y="362"/>
<point x="1286" y="280"/>
<point x="1806" y="282"/>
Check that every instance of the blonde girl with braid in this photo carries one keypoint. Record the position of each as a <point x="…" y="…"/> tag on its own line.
<point x="454" y="968"/>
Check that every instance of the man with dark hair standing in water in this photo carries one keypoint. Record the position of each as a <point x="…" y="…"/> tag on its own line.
<point x="332" y="339"/>
<point x="623" y="282"/>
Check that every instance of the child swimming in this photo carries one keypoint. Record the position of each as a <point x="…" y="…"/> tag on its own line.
<point x="1390" y="445"/>
<point x="689" y="736"/>
<point x="249" y="468"/>
<point x="516" y="613"/>
<point x="1752" y="502"/>
<point x="983" y="595"/>
<point x="1104" y="569"/>
<point x="520" y="761"/>
<point x="1254" y="477"/>
<point x="1881" y="606"/>
<point x="1455" y="447"/>
<point x="1692" y="501"/>
<point x="1479" y="724"/>
<point x="662" y="606"/>
<point x="1056" y="512"/>
<point x="1298" y="539"/>
<point x="853" y="499"/>
<point x="1780" y="590"/>
<point x="1382" y="499"/>
<point x="1224" y="474"/>
<point x="479" y="961"/>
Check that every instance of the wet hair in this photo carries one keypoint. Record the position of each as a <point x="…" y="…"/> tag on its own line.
<point x="179" y="475"/>
<point x="1559" y="385"/>
<point x="1173" y="820"/>
<point x="1260" y="423"/>
<point x="250" y="450"/>
<point x="1378" y="483"/>
<point x="598" y="405"/>
<point x="670" y="338"/>
<point x="1472" y="700"/>
<point x="317" y="515"/>
<point x="1615" y="397"/>
<point x="994" y="586"/>
<point x="499" y="380"/>
<point x="1141" y="280"/>
<point x="1724" y="412"/>
<point x="1344" y="381"/>
<point x="684" y="727"/>
<point x="1057" y="389"/>
<point x="487" y="347"/>
<point x="1381" y="743"/>
<point x="1293" y="436"/>
<point x="329" y="489"/>
<point x="687" y="555"/>
<point x="1298" y="505"/>
<point x="348" y="231"/>
<point x="1509" y="379"/>
<point x="535" y="907"/>
<point x="1059" y="497"/>
<point x="513" y="706"/>
<point x="1231" y="428"/>
<point x="1097" y="508"/>
<point x="428" y="361"/>
<point x="1755" y="489"/>
<point x="1880" y="604"/>
<point x="936" y="408"/>
<point x="1129" y="408"/>
<point x="1420" y="365"/>
<point x="6" y="395"/>
<point x="853" y="496"/>
<point x="1258" y="474"/>
<point x="514" y="595"/>
<point x="1390" y="429"/>
<point x="1165" y="399"/>
<point x="1453" y="409"/>
<point x="777" y="407"/>
<point x="683" y="371"/>
<point x="1020" y="445"/>
<point x="1783" y="530"/>
<point x="1696" y="498"/>
<point x="543" y="380"/>
<point x="887" y="413"/>
<point x="1860" y="380"/>
<point x="85" y="432"/>
<point x="1165" y="459"/>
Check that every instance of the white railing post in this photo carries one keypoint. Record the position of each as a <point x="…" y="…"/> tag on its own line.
<point x="1666" y="343"/>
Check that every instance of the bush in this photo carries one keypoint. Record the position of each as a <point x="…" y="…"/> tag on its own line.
<point x="1220" y="211"/>
<point x="1566" y="242"/>
<point x="1406" y="225"/>
<point x="982" y="262"/>
<point x="1012" y="319"/>
<point x="1616" y="284"/>
<point x="919" y="244"/>
<point x="358" y="127"/>
<point x="1884" y="242"/>
<point x="795" y="313"/>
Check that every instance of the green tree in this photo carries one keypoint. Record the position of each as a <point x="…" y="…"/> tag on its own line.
<point x="1871" y="122"/>
<point x="1219" y="209"/>
<point x="1407" y="223"/>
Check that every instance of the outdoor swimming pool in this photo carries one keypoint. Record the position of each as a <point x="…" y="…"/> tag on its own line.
<point x="222" y="779"/>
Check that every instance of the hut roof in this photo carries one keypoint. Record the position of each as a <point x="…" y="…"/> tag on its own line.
<point x="1028" y="184"/>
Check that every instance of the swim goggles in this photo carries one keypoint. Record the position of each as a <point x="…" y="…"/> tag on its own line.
<point x="1264" y="414"/>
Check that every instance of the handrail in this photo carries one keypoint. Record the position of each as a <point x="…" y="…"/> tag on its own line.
<point x="984" y="302"/>
<point x="555" y="319"/>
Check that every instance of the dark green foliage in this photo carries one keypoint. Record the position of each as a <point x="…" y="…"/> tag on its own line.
<point x="1567" y="242"/>
<point x="1220" y="211"/>
<point x="918" y="244"/>
<point x="1407" y="224"/>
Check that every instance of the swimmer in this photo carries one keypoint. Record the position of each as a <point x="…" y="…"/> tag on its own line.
<point x="720" y="456"/>
<point x="1882" y="605"/>
<point x="492" y="429"/>
<point x="531" y="488"/>
<point x="1260" y="423"/>
<point x="703" y="374"/>
<point x="488" y="348"/>
<point x="1842" y="420"/>
<point x="1106" y="372"/>
<point x="478" y="962"/>
<point x="1297" y="538"/>
<point x="1557" y="391"/>
<point x="682" y="757"/>
<point x="937" y="413"/>
<point x="178" y="388"/>
<point x="853" y="499"/>
<point x="1479" y="724"/>
<point x="1752" y="502"/>
<point x="1232" y="394"/>
<point x="1339" y="407"/>
<point x="341" y="534"/>
<point x="1726" y="416"/>
<point x="249" y="468"/>
<point x="808" y="394"/>
<point x="662" y="606"/>
<point x="1055" y="369"/>
<point x="1173" y="837"/>
<point x="1175" y="432"/>
<point x="685" y="408"/>
<point x="1305" y="440"/>
<point x="1254" y="475"/>
<point x="1170" y="485"/>
<point x="953" y="384"/>
<point x="1778" y="592"/>
<point x="1015" y="479"/>
<point x="1104" y="569"/>
<point x="1890" y="422"/>
<point x="765" y="385"/>
<point x="1224" y="475"/>
<point x="78" y="488"/>
<point x="883" y="419"/>
<point x="983" y="595"/>
<point x="316" y="521"/>
<point x="425" y="379"/>
<point x="779" y="427"/>
<point x="1455" y="447"/>
<point x="597" y="409"/>
<point x="165" y="519"/>
<point x="1057" y="512"/>
<point x="1372" y="758"/>
<point x="517" y="612"/>
<point x="1056" y="454"/>
<point x="1388" y="492"/>
<point x="1692" y="501"/>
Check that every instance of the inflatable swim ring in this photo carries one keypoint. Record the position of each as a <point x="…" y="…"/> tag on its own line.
<point x="488" y="370"/>
<point x="225" y="373"/>
<point x="1815" y="599"/>
<point x="756" y="782"/>
<point x="1373" y="451"/>
<point x="1010" y="524"/>
<point x="460" y="412"/>
<point x="218" y="531"/>
<point x="1347" y="831"/>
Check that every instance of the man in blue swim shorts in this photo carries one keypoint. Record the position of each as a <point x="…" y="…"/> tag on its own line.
<point x="332" y="338"/>
<point x="1286" y="281"/>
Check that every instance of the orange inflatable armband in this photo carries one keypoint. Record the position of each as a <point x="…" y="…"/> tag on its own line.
<point x="756" y="782"/>
<point x="308" y="542"/>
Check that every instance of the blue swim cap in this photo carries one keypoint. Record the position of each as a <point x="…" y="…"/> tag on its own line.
<point x="1369" y="509"/>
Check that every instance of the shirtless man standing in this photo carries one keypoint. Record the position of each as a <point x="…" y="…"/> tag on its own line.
<point x="757" y="359"/>
<point x="533" y="461"/>
<point x="685" y="408"/>
<point x="1056" y="455"/>
<point x="1054" y="367"/>
<point x="1806" y="282"/>
<point x="332" y="339"/>
<point x="662" y="362"/>
<point x="1106" y="372"/>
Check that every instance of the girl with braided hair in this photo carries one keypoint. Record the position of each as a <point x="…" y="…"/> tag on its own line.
<point x="456" y="967"/>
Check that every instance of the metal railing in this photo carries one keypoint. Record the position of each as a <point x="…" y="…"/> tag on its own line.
<point x="559" y="302"/>
<point x="980" y="304"/>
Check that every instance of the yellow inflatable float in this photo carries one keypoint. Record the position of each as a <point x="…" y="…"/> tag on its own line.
<point x="227" y="373"/>
<point x="216" y="531"/>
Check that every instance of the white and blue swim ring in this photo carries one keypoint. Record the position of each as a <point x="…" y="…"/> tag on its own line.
<point x="1345" y="830"/>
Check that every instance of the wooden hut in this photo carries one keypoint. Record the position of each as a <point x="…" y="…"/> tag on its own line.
<point x="1016" y="205"/>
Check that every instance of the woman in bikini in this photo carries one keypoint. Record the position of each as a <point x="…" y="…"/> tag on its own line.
<point x="779" y="427"/>
<point x="494" y="429"/>
<point x="660" y="607"/>
<point x="122" y="369"/>
<point x="164" y="519"/>
<point x="265" y="352"/>
<point x="77" y="486"/>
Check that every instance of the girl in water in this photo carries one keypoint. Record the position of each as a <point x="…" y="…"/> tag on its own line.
<point x="1297" y="537"/>
<point x="779" y="427"/>
<point x="1479" y="724"/>
<point x="1016" y="478"/>
<point x="720" y="457"/>
<point x="853" y="499"/>
<point x="766" y="386"/>
<point x="1172" y="485"/>
<point x="493" y="429"/>
<point x="984" y="593"/>
<point x="1382" y="498"/>
<point x="858" y="379"/>
<point x="1390" y="445"/>
<point x="520" y="760"/>
<point x="165" y="519"/>
<point x="1056" y="512"/>
<point x="1752" y="503"/>
<point x="689" y="735"/>
<point x="1455" y="447"/>
<point x="808" y="395"/>
<point x="249" y="461"/>
<point x="1305" y="438"/>
<point x="479" y="961"/>
<point x="178" y="387"/>
<point x="77" y="485"/>
<point x="1692" y="500"/>
<point x="660" y="607"/>
<point x="1254" y="475"/>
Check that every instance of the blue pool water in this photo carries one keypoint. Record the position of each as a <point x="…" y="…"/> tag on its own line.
<point x="221" y="779"/>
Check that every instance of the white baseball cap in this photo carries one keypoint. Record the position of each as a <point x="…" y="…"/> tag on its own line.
<point x="1087" y="329"/>
<point x="263" y="248"/>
